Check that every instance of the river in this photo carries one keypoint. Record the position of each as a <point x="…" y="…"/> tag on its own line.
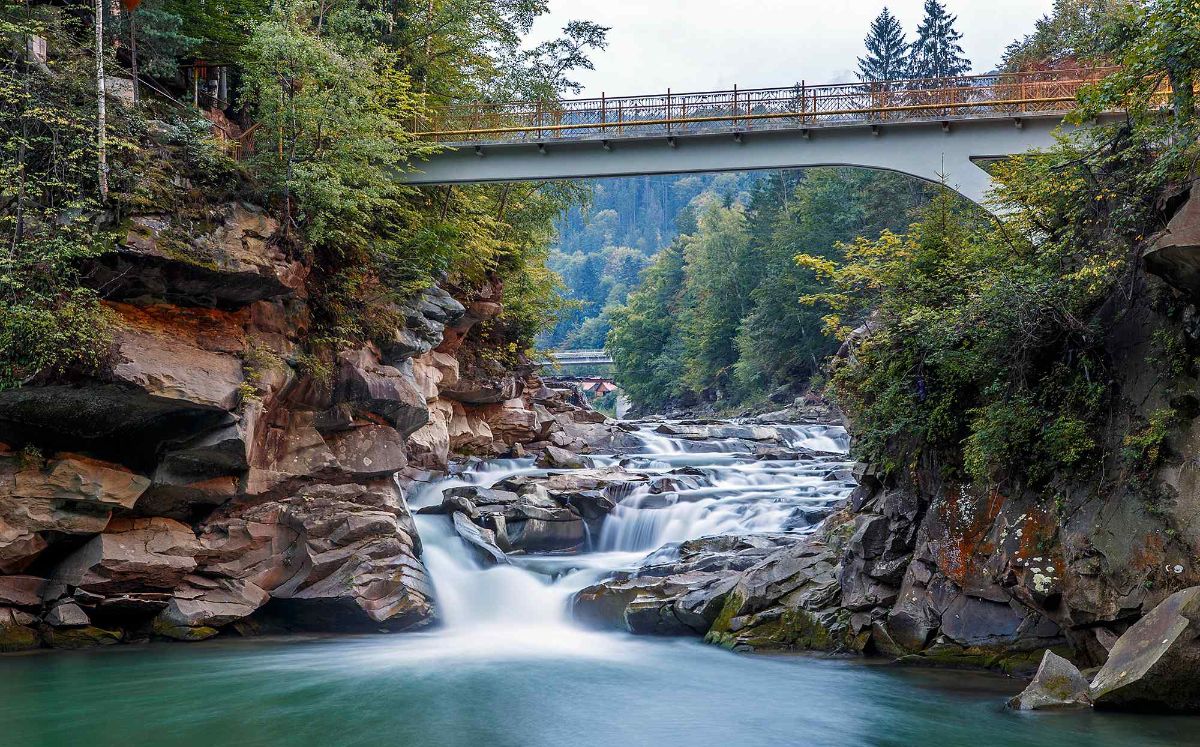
<point x="507" y="666"/>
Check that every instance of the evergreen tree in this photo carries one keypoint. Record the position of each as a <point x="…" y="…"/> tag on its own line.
<point x="936" y="53"/>
<point x="887" y="50"/>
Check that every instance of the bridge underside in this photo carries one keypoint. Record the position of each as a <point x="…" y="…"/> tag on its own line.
<point x="954" y="150"/>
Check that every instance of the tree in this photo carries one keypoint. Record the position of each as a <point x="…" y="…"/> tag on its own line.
<point x="887" y="51"/>
<point x="1073" y="32"/>
<point x="936" y="53"/>
<point x="156" y="37"/>
<point x="1154" y="43"/>
<point x="101" y="164"/>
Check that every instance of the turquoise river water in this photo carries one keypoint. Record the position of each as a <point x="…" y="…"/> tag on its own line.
<point x="507" y="667"/>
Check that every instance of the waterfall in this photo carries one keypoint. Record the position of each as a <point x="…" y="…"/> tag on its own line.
<point x="521" y="608"/>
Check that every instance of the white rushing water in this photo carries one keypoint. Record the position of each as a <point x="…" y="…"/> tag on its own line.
<point x="521" y="609"/>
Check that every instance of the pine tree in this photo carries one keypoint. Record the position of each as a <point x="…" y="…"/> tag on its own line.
<point x="936" y="52"/>
<point x="887" y="51"/>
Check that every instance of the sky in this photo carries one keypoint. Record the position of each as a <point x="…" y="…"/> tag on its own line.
<point x="698" y="45"/>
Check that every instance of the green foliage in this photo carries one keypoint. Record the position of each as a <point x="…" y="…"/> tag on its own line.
<point x="1156" y="44"/>
<point x="1145" y="447"/>
<point x="1071" y="34"/>
<point x="887" y="50"/>
<point x="936" y="52"/>
<point x="52" y="221"/>
<point x="986" y="336"/>
<point x="644" y="342"/>
<point x="605" y="242"/>
<point x="719" y="309"/>
<point x="161" y="39"/>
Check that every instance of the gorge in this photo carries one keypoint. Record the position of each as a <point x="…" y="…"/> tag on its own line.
<point x="509" y="665"/>
<point x="285" y="457"/>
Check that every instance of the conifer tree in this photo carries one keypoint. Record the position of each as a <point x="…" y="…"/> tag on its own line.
<point x="887" y="51"/>
<point x="936" y="53"/>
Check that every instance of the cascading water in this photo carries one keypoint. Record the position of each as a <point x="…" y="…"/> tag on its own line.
<point x="507" y="666"/>
<point x="697" y="488"/>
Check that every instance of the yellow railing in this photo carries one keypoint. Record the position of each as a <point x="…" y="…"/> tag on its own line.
<point x="794" y="107"/>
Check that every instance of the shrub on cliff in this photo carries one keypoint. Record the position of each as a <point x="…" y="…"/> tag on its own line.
<point x="989" y="334"/>
<point x="53" y="220"/>
<point x="987" y="340"/>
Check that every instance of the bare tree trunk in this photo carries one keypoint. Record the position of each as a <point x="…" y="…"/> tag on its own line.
<point x="133" y="51"/>
<point x="19" y="224"/>
<point x="102" y="163"/>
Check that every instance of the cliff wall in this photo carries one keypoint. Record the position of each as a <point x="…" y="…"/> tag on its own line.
<point x="212" y="475"/>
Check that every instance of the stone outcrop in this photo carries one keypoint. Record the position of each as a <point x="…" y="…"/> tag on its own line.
<point x="681" y="597"/>
<point x="1153" y="665"/>
<point x="788" y="601"/>
<point x="1058" y="685"/>
<point x="336" y="556"/>
<point x="234" y="264"/>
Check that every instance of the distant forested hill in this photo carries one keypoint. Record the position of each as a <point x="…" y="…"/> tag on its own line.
<point x="604" y="245"/>
<point x="717" y="316"/>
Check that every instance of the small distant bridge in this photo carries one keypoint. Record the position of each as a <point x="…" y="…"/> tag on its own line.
<point x="570" y="358"/>
<point x="936" y="129"/>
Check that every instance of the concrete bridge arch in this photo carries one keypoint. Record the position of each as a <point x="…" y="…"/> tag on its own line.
<point x="955" y="151"/>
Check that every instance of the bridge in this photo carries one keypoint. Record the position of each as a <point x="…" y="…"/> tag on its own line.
<point x="570" y="358"/>
<point x="940" y="130"/>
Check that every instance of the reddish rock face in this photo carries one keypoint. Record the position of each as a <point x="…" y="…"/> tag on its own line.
<point x="349" y="549"/>
<point x="132" y="555"/>
<point x="77" y="478"/>
<point x="68" y="495"/>
<point x="187" y="355"/>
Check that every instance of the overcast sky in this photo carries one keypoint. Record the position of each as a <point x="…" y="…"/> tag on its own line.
<point x="697" y="45"/>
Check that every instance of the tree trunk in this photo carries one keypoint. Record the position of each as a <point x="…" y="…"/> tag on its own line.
<point x="102" y="163"/>
<point x="133" y="52"/>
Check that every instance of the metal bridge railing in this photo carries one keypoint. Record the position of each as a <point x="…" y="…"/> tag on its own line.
<point x="742" y="110"/>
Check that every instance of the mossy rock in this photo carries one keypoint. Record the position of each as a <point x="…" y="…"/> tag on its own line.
<point x="18" y="638"/>
<point x="85" y="637"/>
<point x="790" y="630"/>
<point x="183" y="632"/>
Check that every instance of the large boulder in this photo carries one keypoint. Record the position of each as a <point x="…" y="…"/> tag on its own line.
<point x="468" y="432"/>
<point x="173" y="373"/>
<point x="511" y="422"/>
<point x="17" y="631"/>
<point x="1154" y="665"/>
<point x="1057" y="685"/>
<point x="329" y="557"/>
<point x="290" y="452"/>
<point x="553" y="457"/>
<point x="234" y="264"/>
<point x="68" y="495"/>
<point x="683" y="596"/>
<point x="787" y="602"/>
<point x="69" y="477"/>
<point x="480" y="388"/>
<point x="483" y="541"/>
<point x="430" y="446"/>
<point x="132" y="555"/>
<point x="387" y="391"/>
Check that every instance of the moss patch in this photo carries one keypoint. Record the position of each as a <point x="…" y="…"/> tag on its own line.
<point x="18" y="638"/>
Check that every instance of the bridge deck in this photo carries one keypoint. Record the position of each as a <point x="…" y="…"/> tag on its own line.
<point x="734" y="111"/>
<point x="566" y="358"/>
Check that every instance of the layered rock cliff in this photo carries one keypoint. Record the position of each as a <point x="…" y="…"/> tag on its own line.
<point x="213" y="475"/>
